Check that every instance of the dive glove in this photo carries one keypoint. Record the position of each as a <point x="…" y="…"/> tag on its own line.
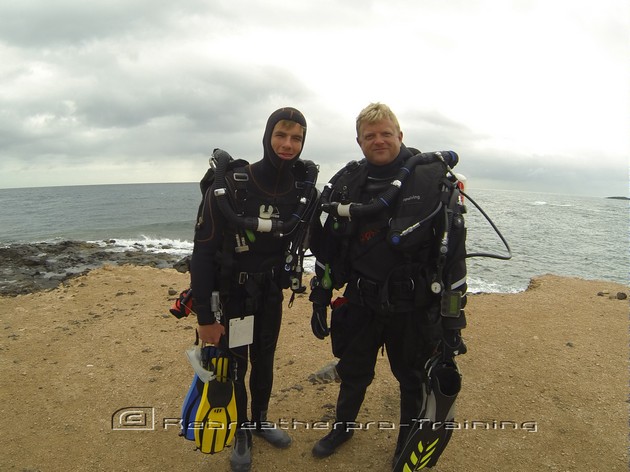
<point x="320" y="297"/>
<point x="319" y="322"/>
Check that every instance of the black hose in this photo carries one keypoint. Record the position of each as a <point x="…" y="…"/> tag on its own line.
<point x="505" y="243"/>
<point x="276" y="226"/>
<point x="350" y="210"/>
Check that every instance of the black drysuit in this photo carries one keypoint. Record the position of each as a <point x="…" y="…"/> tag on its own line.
<point x="389" y="302"/>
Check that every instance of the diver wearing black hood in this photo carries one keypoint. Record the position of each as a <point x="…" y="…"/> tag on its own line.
<point x="247" y="268"/>
<point x="273" y="173"/>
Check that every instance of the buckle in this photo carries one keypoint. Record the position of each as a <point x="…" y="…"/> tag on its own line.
<point x="242" y="277"/>
<point x="240" y="177"/>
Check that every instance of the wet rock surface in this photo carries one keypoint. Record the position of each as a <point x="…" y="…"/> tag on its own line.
<point x="27" y="268"/>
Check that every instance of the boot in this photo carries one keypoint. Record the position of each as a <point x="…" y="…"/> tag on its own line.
<point x="329" y="443"/>
<point x="411" y="401"/>
<point x="241" y="458"/>
<point x="270" y="432"/>
<point x="403" y="435"/>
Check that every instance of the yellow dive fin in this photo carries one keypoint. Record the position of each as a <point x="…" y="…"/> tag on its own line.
<point x="216" y="417"/>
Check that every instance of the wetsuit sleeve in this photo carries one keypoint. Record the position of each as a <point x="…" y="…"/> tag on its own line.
<point x="203" y="264"/>
<point x="321" y="284"/>
<point x="317" y="235"/>
<point x="324" y="248"/>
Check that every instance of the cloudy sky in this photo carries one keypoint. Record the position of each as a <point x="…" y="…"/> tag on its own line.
<point x="533" y="94"/>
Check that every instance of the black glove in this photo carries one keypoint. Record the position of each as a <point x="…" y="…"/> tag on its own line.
<point x="452" y="334"/>
<point x="319" y="323"/>
<point x="453" y="344"/>
<point x="321" y="299"/>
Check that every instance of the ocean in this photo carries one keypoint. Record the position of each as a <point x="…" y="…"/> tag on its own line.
<point x="566" y="235"/>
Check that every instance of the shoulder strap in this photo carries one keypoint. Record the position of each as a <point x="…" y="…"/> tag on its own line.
<point x="238" y="181"/>
<point x="348" y="185"/>
<point x="208" y="179"/>
<point x="206" y="182"/>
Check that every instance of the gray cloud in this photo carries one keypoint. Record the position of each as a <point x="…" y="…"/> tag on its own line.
<point x="100" y="89"/>
<point x="36" y="24"/>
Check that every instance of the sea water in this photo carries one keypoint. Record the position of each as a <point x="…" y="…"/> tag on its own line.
<point x="548" y="233"/>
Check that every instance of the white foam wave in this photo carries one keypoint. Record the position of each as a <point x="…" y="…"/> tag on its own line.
<point x="169" y="246"/>
<point x="483" y="286"/>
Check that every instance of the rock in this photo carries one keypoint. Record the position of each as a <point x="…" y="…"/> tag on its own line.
<point x="326" y="374"/>
<point x="182" y="265"/>
<point x="621" y="296"/>
<point x="534" y="284"/>
<point x="28" y="268"/>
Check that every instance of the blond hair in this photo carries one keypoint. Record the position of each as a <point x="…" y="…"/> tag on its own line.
<point x="376" y="112"/>
<point x="286" y="124"/>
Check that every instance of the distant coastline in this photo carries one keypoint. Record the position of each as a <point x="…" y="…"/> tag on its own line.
<point x="618" y="198"/>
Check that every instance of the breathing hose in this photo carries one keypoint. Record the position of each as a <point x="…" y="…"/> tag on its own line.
<point x="276" y="226"/>
<point x="350" y="210"/>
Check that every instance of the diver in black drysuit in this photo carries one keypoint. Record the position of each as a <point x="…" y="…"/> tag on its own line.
<point x="411" y="331"/>
<point x="250" y="281"/>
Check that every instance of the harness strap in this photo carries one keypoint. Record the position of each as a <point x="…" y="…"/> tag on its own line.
<point x="238" y="188"/>
<point x="243" y="277"/>
<point x="393" y="295"/>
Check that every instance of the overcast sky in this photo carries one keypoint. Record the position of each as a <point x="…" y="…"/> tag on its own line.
<point x="533" y="94"/>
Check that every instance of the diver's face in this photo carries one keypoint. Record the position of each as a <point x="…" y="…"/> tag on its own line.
<point x="287" y="139"/>
<point x="380" y="141"/>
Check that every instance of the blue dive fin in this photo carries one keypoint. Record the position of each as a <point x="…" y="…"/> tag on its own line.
<point x="190" y="407"/>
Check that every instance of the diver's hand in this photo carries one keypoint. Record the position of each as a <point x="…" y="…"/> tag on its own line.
<point x="319" y="323"/>
<point x="211" y="333"/>
<point x="452" y="342"/>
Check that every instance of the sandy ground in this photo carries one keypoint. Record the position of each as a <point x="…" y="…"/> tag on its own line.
<point x="74" y="361"/>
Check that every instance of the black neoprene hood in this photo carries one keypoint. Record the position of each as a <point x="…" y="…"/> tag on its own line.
<point x="286" y="113"/>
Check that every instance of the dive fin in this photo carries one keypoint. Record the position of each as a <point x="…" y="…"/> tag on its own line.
<point x="432" y="429"/>
<point x="190" y="407"/>
<point x="216" y="417"/>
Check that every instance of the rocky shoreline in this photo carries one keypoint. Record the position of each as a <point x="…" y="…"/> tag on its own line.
<point x="35" y="267"/>
<point x="28" y="268"/>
